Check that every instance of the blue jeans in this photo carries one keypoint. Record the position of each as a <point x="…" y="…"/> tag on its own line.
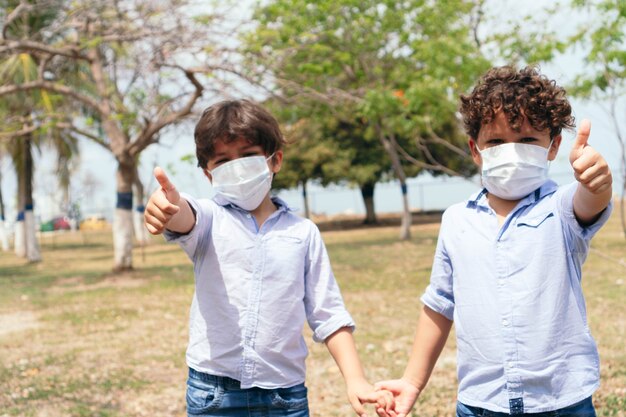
<point x="581" y="409"/>
<point x="210" y="395"/>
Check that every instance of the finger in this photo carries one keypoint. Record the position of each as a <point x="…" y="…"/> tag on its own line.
<point x="154" y="225"/>
<point x="163" y="180"/>
<point x="162" y="212"/>
<point x="599" y="184"/>
<point x="590" y="170"/>
<point x="382" y="412"/>
<point x="582" y="136"/>
<point x="358" y="407"/>
<point x="166" y="207"/>
<point x="160" y="201"/>
<point x="153" y="230"/>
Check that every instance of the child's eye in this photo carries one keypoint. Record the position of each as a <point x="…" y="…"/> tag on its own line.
<point x="528" y="140"/>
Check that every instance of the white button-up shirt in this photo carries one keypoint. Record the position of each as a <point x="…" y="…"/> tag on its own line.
<point x="514" y="293"/>
<point x="255" y="287"/>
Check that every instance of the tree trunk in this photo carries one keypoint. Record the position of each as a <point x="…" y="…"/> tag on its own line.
<point x="26" y="244"/>
<point x="4" y="233"/>
<point x="305" y="197"/>
<point x="367" y="192"/>
<point x="123" y="218"/>
<point x="19" y="240"/>
<point x="33" y="254"/>
<point x="389" y="143"/>
<point x="622" y="205"/>
<point x="141" y="233"/>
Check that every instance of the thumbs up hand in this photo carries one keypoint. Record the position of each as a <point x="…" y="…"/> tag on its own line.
<point x="590" y="168"/>
<point x="163" y="204"/>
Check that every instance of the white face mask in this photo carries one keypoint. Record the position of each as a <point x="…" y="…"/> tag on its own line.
<point x="243" y="181"/>
<point x="514" y="170"/>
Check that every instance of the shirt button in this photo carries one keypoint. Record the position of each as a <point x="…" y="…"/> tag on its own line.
<point x="505" y="322"/>
<point x="509" y="365"/>
<point x="248" y="215"/>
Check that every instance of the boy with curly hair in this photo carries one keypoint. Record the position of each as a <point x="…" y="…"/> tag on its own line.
<point x="507" y="267"/>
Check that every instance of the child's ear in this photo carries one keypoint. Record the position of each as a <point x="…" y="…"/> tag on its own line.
<point x="276" y="162"/>
<point x="473" y="146"/>
<point x="554" y="148"/>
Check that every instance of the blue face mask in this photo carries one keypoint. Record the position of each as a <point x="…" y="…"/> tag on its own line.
<point x="514" y="170"/>
<point x="244" y="181"/>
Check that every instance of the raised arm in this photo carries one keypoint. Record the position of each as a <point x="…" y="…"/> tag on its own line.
<point x="430" y="338"/>
<point x="593" y="175"/>
<point x="166" y="209"/>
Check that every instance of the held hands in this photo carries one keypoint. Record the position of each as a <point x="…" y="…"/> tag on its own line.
<point x="405" y="394"/>
<point x="360" y="392"/>
<point x="162" y="205"/>
<point x="590" y="168"/>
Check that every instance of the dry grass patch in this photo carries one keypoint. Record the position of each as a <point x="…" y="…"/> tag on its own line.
<point x="77" y="341"/>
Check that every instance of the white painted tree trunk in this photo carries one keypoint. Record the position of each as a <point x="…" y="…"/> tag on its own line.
<point x="407" y="217"/>
<point x="4" y="236"/>
<point x="33" y="254"/>
<point x="19" y="242"/>
<point x="141" y="233"/>
<point x="123" y="239"/>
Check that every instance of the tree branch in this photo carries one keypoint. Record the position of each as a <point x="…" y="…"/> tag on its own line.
<point x="31" y="46"/>
<point x="146" y="136"/>
<point x="50" y="86"/>
<point x="86" y="134"/>
<point x="22" y="7"/>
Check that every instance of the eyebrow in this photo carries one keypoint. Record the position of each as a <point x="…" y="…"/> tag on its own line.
<point x="245" y="148"/>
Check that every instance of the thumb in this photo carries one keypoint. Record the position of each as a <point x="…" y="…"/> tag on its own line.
<point x="582" y="136"/>
<point x="357" y="406"/>
<point x="163" y="180"/>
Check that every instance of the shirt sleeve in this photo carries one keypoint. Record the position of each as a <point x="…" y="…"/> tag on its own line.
<point x="190" y="242"/>
<point x="439" y="295"/>
<point x="566" y="208"/>
<point x="324" y="305"/>
<point x="577" y="237"/>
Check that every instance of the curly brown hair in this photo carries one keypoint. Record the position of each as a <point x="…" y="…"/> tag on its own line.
<point x="519" y="94"/>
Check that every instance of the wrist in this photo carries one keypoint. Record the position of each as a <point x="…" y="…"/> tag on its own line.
<point x="415" y="382"/>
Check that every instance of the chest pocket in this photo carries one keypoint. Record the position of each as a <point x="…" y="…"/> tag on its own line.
<point x="533" y="242"/>
<point x="286" y="256"/>
<point x="536" y="221"/>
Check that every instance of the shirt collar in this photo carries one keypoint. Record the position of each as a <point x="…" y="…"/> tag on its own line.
<point x="279" y="202"/>
<point x="479" y="198"/>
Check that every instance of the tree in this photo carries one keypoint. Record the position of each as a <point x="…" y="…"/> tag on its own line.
<point x="397" y="66"/>
<point x="4" y="238"/>
<point x="21" y="112"/>
<point x="136" y="71"/>
<point x="604" y="74"/>
<point x="309" y="158"/>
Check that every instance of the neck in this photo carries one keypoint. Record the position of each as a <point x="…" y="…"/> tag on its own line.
<point x="501" y="206"/>
<point x="264" y="210"/>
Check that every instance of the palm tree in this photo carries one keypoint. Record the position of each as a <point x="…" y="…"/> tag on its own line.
<point x="28" y="116"/>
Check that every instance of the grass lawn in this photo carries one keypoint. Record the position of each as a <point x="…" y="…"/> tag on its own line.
<point x="76" y="340"/>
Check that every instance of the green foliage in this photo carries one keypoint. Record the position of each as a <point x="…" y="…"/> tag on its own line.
<point x="603" y="41"/>
<point x="355" y="70"/>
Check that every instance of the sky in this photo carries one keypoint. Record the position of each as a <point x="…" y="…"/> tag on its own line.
<point x="94" y="180"/>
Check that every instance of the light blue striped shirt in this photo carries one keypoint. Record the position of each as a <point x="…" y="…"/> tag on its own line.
<point x="255" y="287"/>
<point x="514" y="293"/>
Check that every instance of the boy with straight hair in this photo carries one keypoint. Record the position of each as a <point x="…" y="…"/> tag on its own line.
<point x="507" y="267"/>
<point x="260" y="272"/>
